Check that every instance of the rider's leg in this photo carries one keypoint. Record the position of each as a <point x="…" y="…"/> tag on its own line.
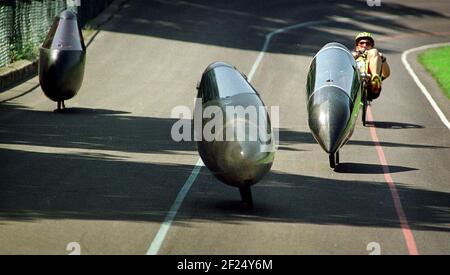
<point x="375" y="69"/>
<point x="385" y="70"/>
<point x="374" y="61"/>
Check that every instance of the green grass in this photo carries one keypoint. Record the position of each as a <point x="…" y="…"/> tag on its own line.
<point x="87" y="31"/>
<point x="437" y="62"/>
<point x="30" y="52"/>
<point x="27" y="51"/>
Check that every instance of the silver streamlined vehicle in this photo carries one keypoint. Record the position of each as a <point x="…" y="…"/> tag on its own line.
<point x="235" y="159"/>
<point x="333" y="91"/>
<point x="62" y="58"/>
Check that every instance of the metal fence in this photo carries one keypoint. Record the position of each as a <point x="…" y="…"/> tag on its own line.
<point x="25" y="23"/>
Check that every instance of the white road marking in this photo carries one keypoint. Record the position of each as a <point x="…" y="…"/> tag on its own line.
<point x="420" y="85"/>
<point x="269" y="37"/>
<point x="165" y="226"/>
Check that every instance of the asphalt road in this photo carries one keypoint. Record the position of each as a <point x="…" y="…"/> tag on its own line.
<point x="106" y="172"/>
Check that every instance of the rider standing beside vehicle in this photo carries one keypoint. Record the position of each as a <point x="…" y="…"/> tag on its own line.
<point x="377" y="67"/>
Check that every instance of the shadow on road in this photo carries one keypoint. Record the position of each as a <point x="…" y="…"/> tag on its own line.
<point x="48" y="184"/>
<point x="82" y="164"/>
<point x="219" y="23"/>
<point x="293" y="198"/>
<point x="393" y="125"/>
<point x="91" y="129"/>
<point x="364" y="168"/>
<point x="100" y="188"/>
<point x="288" y="136"/>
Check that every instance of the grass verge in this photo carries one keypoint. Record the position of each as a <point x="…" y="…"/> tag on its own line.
<point x="437" y="63"/>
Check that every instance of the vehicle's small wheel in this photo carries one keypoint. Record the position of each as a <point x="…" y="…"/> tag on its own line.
<point x="246" y="195"/>
<point x="364" y="113"/>
<point x="332" y="160"/>
<point x="365" y="103"/>
<point x="337" y="157"/>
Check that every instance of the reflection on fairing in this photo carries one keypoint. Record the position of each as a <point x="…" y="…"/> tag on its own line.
<point x="333" y="91"/>
<point x="220" y="80"/>
<point x="62" y="59"/>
